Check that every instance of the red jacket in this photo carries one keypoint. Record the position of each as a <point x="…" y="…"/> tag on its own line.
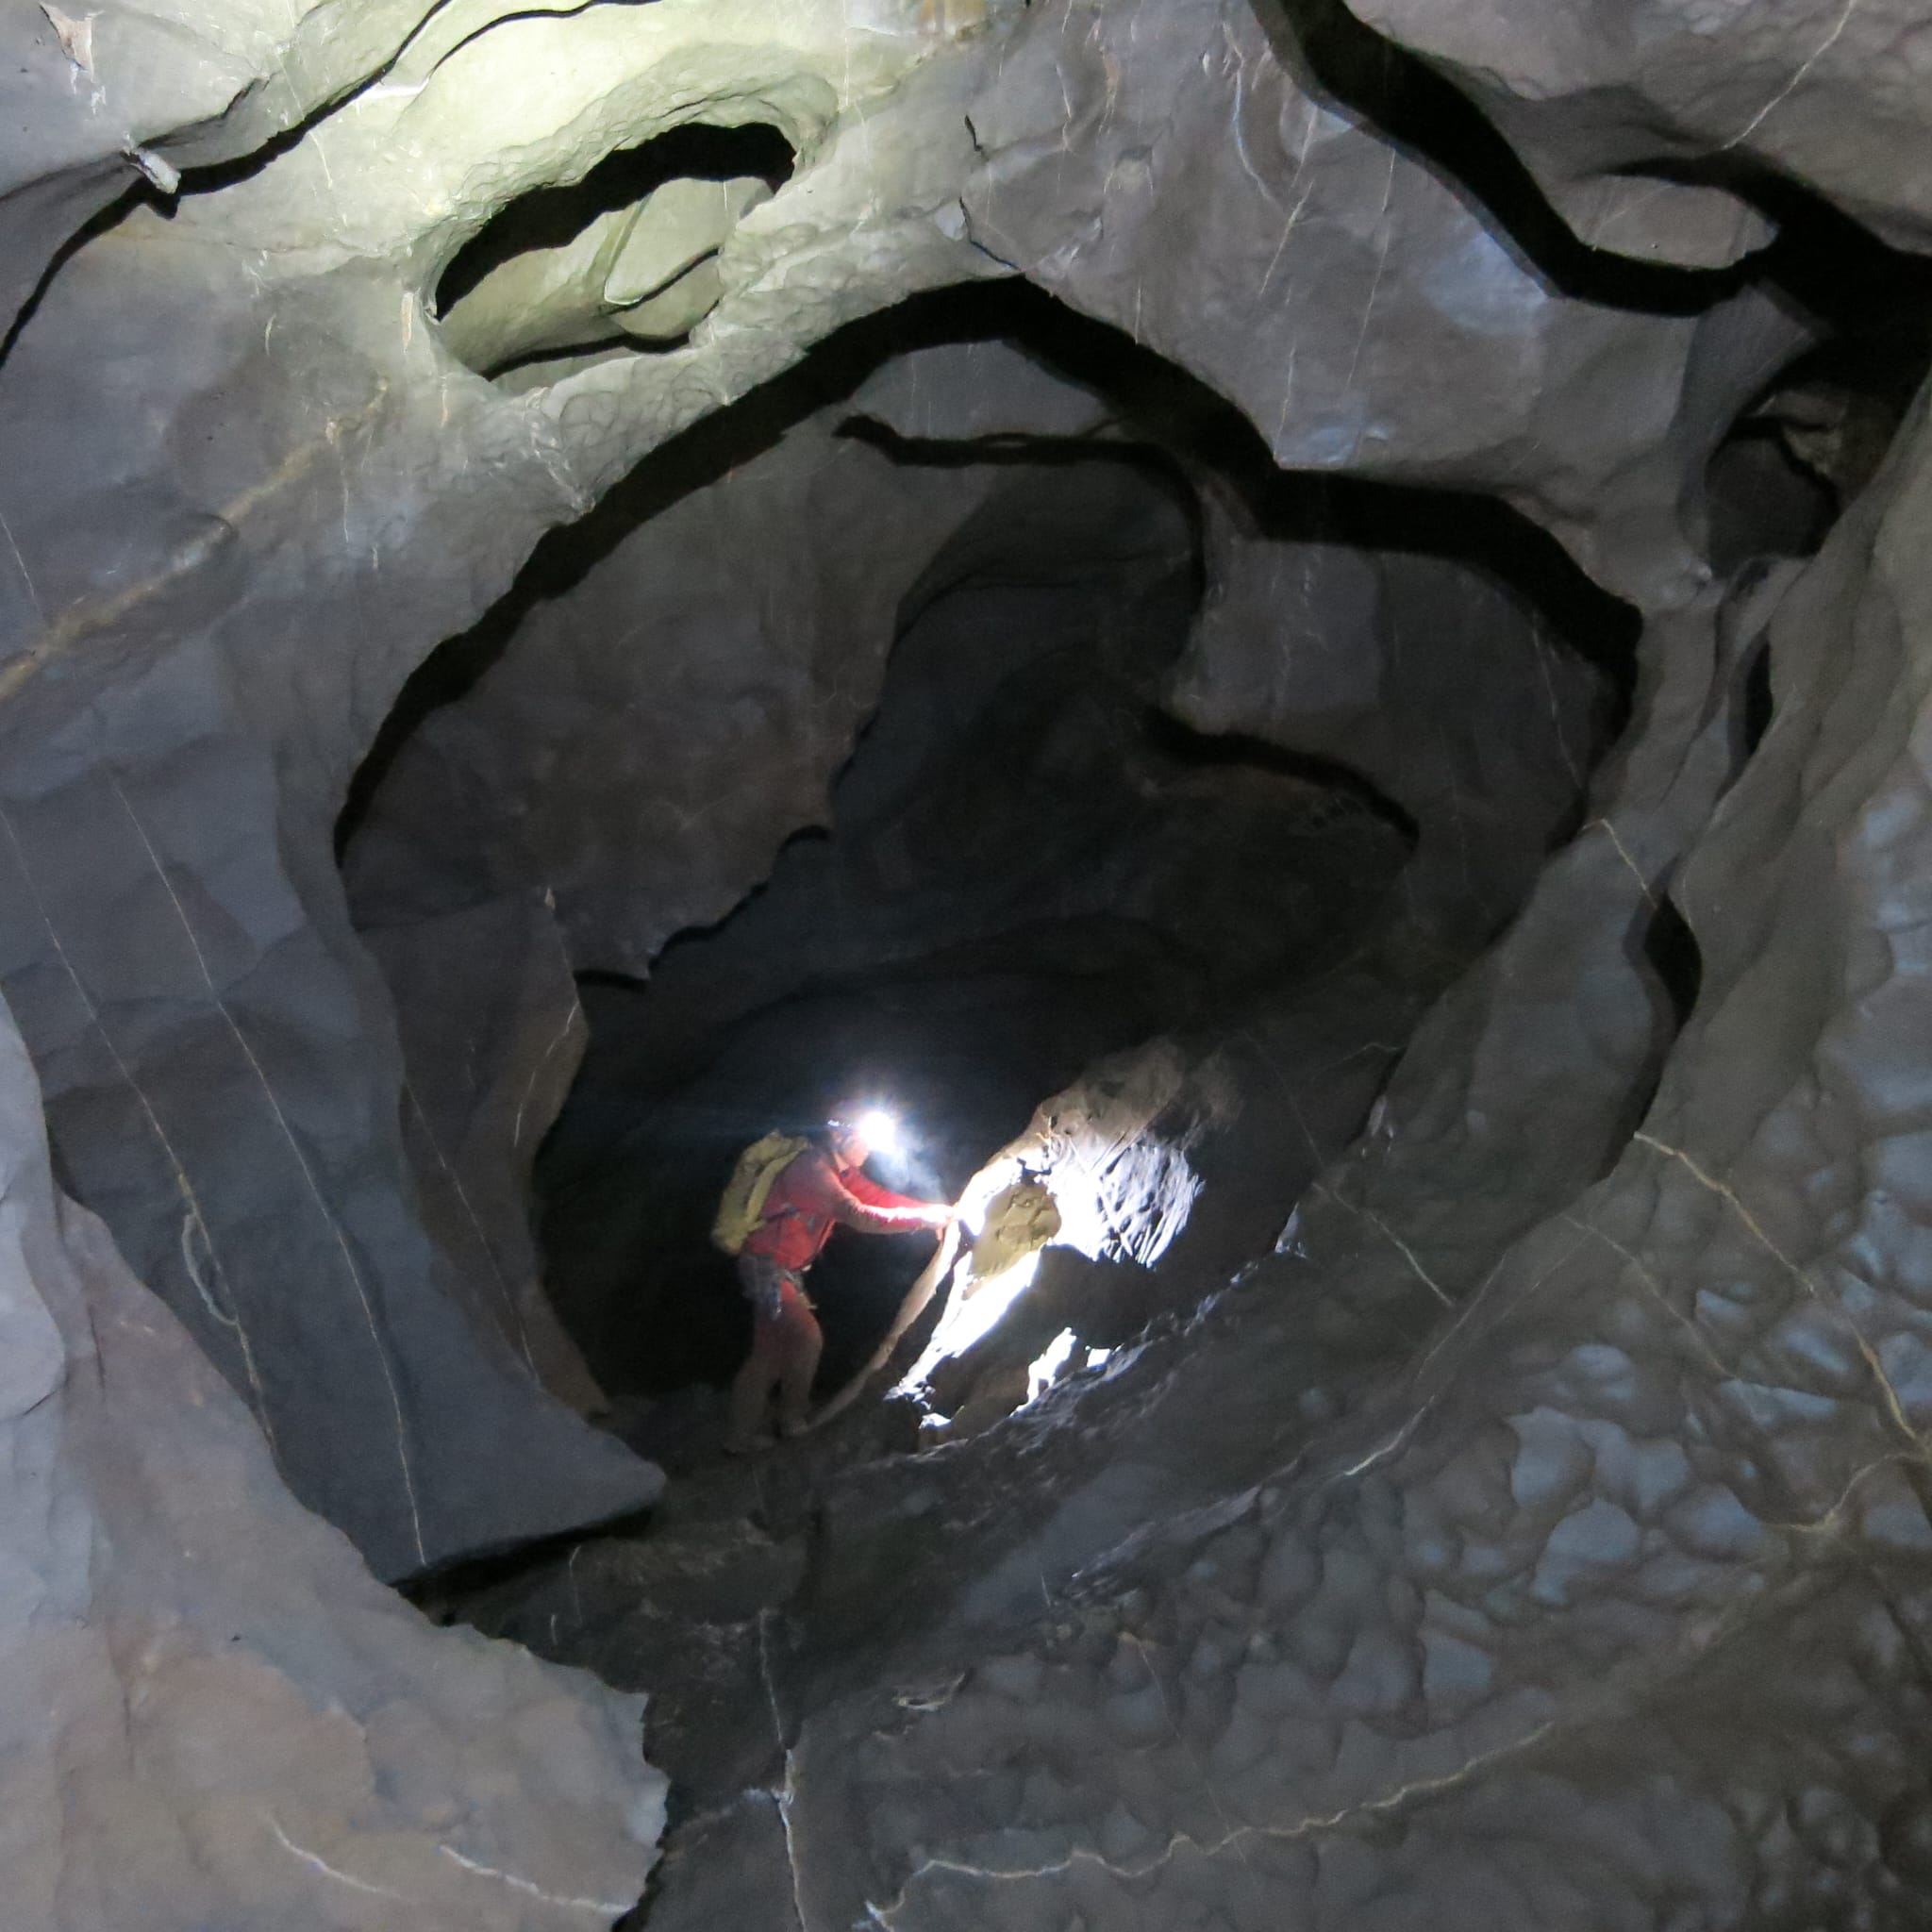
<point x="810" y="1198"/>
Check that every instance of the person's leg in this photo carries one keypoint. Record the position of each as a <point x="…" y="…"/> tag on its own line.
<point x="751" y="1389"/>
<point x="798" y="1358"/>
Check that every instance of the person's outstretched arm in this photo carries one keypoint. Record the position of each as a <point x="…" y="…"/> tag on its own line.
<point x="859" y="1201"/>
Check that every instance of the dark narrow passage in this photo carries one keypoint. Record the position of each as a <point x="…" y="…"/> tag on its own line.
<point x="1027" y="870"/>
<point x="1086" y="808"/>
<point x="1755" y="704"/>
<point x="1815" y="435"/>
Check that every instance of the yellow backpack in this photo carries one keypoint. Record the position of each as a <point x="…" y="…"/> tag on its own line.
<point x="743" y="1205"/>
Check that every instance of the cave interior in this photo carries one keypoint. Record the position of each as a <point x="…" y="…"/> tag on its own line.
<point x="1291" y="632"/>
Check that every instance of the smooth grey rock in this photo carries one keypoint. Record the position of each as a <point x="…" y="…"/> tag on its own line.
<point x="1560" y="1569"/>
<point x="596" y="757"/>
<point x="1823" y="92"/>
<point x="1444" y="687"/>
<point x="620" y="274"/>
<point x="104" y="98"/>
<point x="212" y="1714"/>
<point x="958" y="392"/>
<point x="1167" y="173"/>
<point x="187" y="599"/>
<point x="491" y="1033"/>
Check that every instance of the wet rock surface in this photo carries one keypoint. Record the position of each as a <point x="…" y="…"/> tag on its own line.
<point x="1390" y="681"/>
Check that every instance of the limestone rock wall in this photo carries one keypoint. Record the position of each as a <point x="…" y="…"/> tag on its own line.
<point x="119" y="100"/>
<point x="599" y="757"/>
<point x="1182" y="177"/>
<point x="1609" y="1605"/>
<point x="210" y="622"/>
<point x="1617" y="109"/>
<point x="1458" y="697"/>
<point x="491" y="1033"/>
<point x="1528" y="1623"/>
<point x="207" y="626"/>
<point x="210" y="1713"/>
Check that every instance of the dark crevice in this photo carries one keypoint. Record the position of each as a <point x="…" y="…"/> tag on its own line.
<point x="1661" y="943"/>
<point x="212" y="177"/>
<point x="638" y="1918"/>
<point x="552" y="217"/>
<point x="568" y="362"/>
<point x="138" y="193"/>
<point x="1239" y="751"/>
<point x="1815" y="435"/>
<point x="1761" y="501"/>
<point x="1753" y="707"/>
<point x="491" y="25"/>
<point x="434" y="1591"/>
<point x="1820" y="260"/>
<point x="1836" y="409"/>
<point x="1676" y="959"/>
<point x="1836" y="272"/>
<point x="1427" y="117"/>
